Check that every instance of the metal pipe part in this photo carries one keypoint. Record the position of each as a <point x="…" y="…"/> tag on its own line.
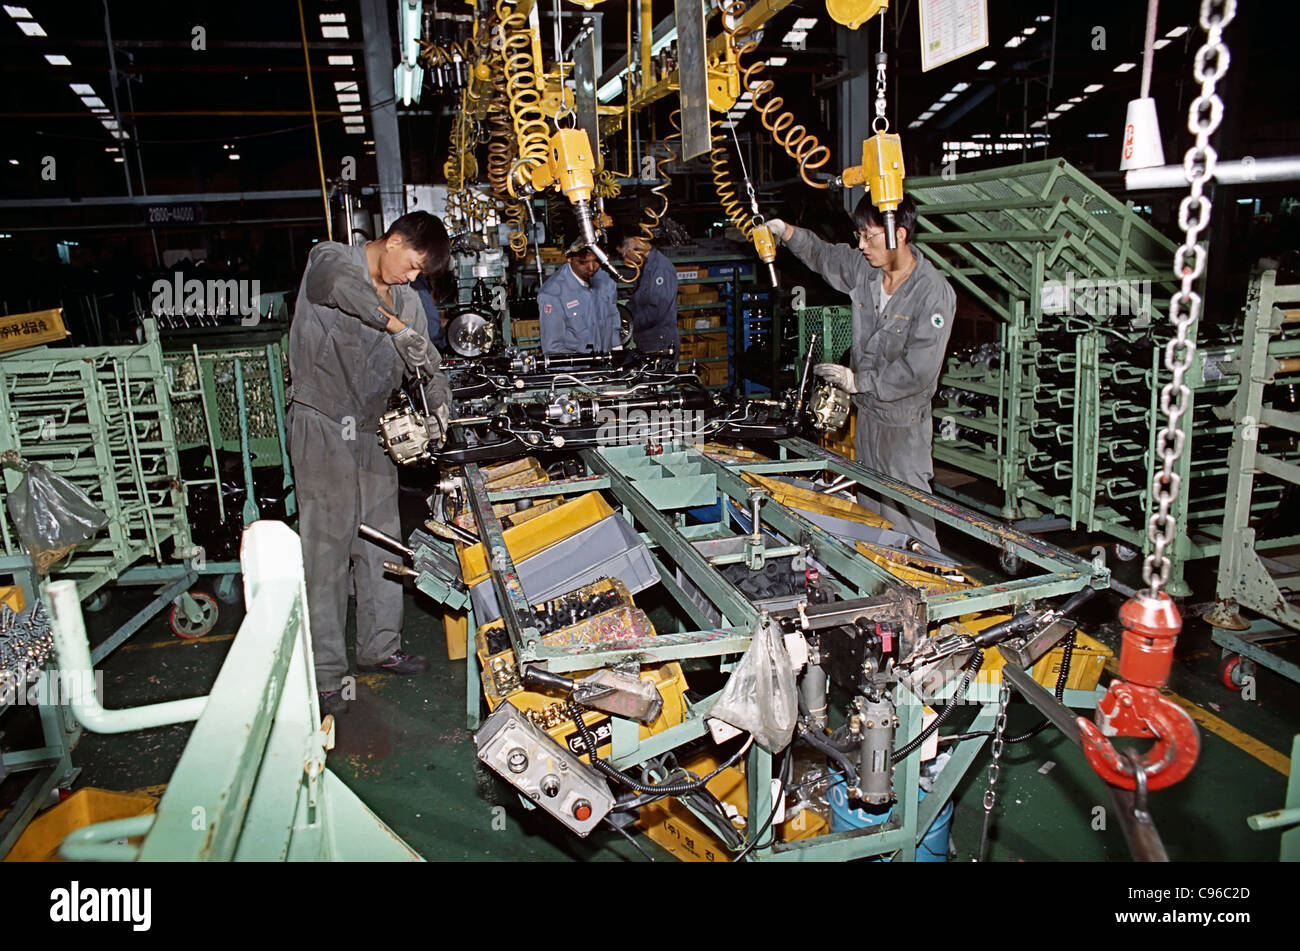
<point x="1248" y="170"/>
<point x="812" y="688"/>
<point x="380" y="538"/>
<point x="77" y="675"/>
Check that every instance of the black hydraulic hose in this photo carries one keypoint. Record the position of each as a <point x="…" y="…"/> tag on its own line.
<point x="1061" y="678"/>
<point x="972" y="669"/>
<point x="824" y="745"/>
<point x="785" y="772"/>
<point x="669" y="789"/>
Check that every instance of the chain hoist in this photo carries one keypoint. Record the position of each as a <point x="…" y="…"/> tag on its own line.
<point x="1133" y="705"/>
<point x="1203" y="118"/>
<point x="995" y="767"/>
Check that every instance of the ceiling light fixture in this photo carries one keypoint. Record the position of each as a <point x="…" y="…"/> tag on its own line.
<point x="334" y="32"/>
<point x="341" y="60"/>
<point x="1095" y="87"/>
<point x="988" y="64"/>
<point x="57" y="59"/>
<point x="18" y="13"/>
<point x="805" y="23"/>
<point x="1161" y="43"/>
<point x="1124" y="67"/>
<point x="1015" y="41"/>
<point x="1175" y="33"/>
<point x="31" y="28"/>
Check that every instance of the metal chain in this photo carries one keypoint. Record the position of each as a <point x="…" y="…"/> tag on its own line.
<point x="1203" y="118"/>
<point x="995" y="767"/>
<point x="881" y="69"/>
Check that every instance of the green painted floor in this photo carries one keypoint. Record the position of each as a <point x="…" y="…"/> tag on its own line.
<point x="404" y="749"/>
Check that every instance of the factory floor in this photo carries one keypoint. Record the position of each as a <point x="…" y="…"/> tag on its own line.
<point x="404" y="749"/>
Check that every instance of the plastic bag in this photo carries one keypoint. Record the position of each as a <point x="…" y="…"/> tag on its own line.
<point x="760" y="697"/>
<point x="52" y="516"/>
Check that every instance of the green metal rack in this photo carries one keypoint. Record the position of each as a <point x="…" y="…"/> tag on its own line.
<point x="1061" y="411"/>
<point x="1259" y="411"/>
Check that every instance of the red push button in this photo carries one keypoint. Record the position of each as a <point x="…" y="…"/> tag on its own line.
<point x="582" y="810"/>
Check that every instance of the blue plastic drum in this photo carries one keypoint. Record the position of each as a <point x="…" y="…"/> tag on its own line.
<point x="932" y="848"/>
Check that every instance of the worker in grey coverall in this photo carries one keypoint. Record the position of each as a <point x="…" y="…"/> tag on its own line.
<point x="578" y="307"/>
<point x="653" y="303"/>
<point x="903" y="310"/>
<point x="357" y="330"/>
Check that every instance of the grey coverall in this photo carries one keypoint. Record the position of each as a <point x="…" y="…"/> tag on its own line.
<point x="896" y="360"/>
<point x="576" y="317"/>
<point x="654" y="305"/>
<point x="344" y="366"/>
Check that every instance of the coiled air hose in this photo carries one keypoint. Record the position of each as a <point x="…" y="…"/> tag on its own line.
<point x="972" y="669"/>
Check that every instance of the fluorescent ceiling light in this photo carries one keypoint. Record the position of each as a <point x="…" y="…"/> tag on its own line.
<point x="345" y="85"/>
<point x="988" y="64"/>
<point x="368" y="142"/>
<point x="915" y="124"/>
<point x="1174" y="33"/>
<point x="805" y="23"/>
<point x="1095" y="87"/>
<point x="777" y="61"/>
<point x="1076" y="99"/>
<point x="1043" y="19"/>
<point x="948" y="97"/>
<point x="925" y="115"/>
<point x="31" y="28"/>
<point x="735" y="115"/>
<point x="1053" y="115"/>
<point x="1097" y="135"/>
<point x="103" y="110"/>
<point x="359" y="129"/>
<point x="57" y="59"/>
<point x="93" y="102"/>
<point x="334" y="32"/>
<point x="1065" y="107"/>
<point x="351" y="120"/>
<point x="1029" y="31"/>
<point x="341" y="60"/>
<point x="1015" y="41"/>
<point x="233" y="156"/>
<point x="349" y="107"/>
<point x="349" y="97"/>
<point x="13" y="161"/>
<point x="793" y="37"/>
<point x="110" y="148"/>
<point x="119" y="159"/>
<point x="1124" y="67"/>
<point x="18" y="13"/>
<point x="961" y="87"/>
<point x="82" y="89"/>
<point x="108" y="123"/>
<point x="1161" y="43"/>
<point x="334" y="18"/>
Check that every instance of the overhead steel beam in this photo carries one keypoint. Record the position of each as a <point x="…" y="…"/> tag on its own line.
<point x="188" y="197"/>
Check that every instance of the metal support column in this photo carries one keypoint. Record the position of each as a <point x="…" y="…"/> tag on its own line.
<point x="380" y="62"/>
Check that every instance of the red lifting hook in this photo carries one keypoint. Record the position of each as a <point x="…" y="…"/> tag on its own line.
<point x="1134" y="707"/>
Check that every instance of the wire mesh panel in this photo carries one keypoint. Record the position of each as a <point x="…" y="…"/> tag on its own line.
<point x="214" y="372"/>
<point x="834" y="329"/>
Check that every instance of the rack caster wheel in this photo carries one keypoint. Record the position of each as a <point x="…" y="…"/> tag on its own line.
<point x="98" y="601"/>
<point x="1235" y="669"/>
<point x="228" y="589"/>
<point x="1009" y="563"/>
<point x="184" y="626"/>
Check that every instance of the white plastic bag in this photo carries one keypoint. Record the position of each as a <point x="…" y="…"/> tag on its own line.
<point x="760" y="697"/>
<point x="52" y="515"/>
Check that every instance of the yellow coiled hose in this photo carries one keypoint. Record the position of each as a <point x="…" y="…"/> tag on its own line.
<point x="800" y="144"/>
<point x="532" y="134"/>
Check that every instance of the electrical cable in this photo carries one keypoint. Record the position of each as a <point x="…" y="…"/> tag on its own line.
<point x="972" y="669"/>
<point x="589" y="741"/>
<point x="786" y="760"/>
<point x="635" y="844"/>
<point x="311" y="96"/>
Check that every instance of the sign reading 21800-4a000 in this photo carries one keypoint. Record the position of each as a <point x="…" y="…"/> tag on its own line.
<point x="187" y="214"/>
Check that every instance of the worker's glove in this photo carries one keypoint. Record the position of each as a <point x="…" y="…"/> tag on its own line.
<point x="777" y="227"/>
<point x="436" y="423"/>
<point x="837" y="375"/>
<point x="413" y="347"/>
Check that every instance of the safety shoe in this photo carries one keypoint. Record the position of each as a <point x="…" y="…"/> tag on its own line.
<point x="400" y="662"/>
<point x="332" y="702"/>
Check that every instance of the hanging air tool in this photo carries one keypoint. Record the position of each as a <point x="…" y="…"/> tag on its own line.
<point x="881" y="170"/>
<point x="571" y="168"/>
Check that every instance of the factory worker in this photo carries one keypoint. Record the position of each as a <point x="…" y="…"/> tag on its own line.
<point x="653" y="303"/>
<point x="357" y="329"/>
<point x="903" y="310"/>
<point x="578" y="307"/>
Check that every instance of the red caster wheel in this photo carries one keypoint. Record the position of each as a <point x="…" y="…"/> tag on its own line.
<point x="1234" y="669"/>
<point x="184" y="626"/>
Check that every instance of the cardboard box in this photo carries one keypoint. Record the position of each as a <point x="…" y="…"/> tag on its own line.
<point x="697" y="294"/>
<point x="526" y="329"/>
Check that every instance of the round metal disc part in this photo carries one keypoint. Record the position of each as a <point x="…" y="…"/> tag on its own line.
<point x="470" y="334"/>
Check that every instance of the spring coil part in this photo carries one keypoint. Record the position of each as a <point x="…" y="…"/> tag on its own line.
<point x="531" y="131"/>
<point x="501" y="154"/>
<point x="653" y="215"/>
<point x="799" y="143"/>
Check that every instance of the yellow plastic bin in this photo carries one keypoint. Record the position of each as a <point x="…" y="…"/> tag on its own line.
<point x="41" y="840"/>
